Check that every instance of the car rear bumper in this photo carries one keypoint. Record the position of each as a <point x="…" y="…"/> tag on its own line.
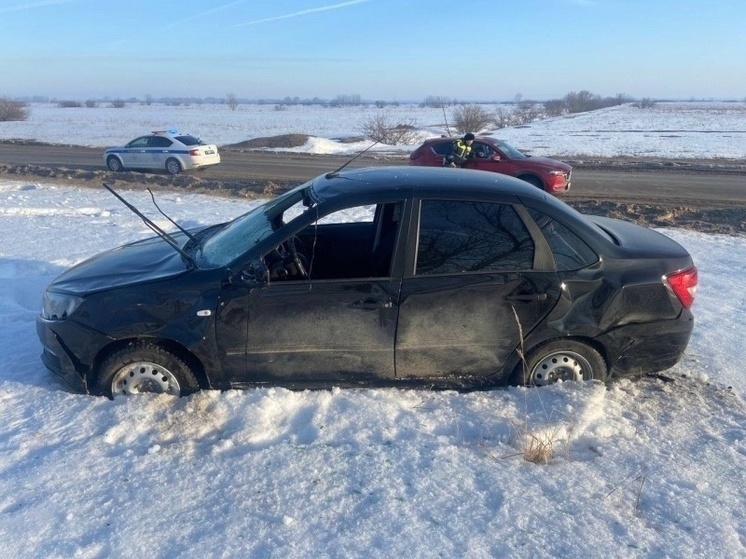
<point x="200" y="162"/>
<point x="647" y="348"/>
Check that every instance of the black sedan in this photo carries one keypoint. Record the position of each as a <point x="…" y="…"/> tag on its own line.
<point x="386" y="276"/>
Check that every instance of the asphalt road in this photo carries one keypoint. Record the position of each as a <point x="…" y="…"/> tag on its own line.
<point x="629" y="184"/>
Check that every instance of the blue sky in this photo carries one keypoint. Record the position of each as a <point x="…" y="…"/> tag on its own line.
<point x="378" y="49"/>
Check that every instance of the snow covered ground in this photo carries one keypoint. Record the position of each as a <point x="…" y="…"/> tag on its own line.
<point x="679" y="130"/>
<point x="648" y="468"/>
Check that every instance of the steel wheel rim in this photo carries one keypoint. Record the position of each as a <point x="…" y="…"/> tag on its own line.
<point x="144" y="377"/>
<point x="560" y="365"/>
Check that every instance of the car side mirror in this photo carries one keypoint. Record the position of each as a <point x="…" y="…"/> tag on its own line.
<point x="496" y="158"/>
<point x="256" y="274"/>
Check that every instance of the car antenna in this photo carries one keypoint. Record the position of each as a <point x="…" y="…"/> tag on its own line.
<point x="152" y="226"/>
<point x="333" y="174"/>
<point x="446" y="119"/>
<point x="179" y="227"/>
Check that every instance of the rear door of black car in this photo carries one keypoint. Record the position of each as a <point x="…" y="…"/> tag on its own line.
<point x="475" y="282"/>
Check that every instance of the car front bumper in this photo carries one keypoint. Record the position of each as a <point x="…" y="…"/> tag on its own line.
<point x="69" y="351"/>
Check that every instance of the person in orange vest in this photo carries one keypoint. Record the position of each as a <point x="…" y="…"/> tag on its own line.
<point x="460" y="151"/>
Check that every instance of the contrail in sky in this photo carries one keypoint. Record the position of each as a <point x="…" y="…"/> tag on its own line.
<point x="32" y="5"/>
<point x="206" y="12"/>
<point x="304" y="12"/>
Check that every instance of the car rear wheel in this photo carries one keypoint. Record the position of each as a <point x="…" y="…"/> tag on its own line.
<point x="562" y="360"/>
<point x="113" y="163"/>
<point x="536" y="181"/>
<point x="173" y="166"/>
<point x="144" y="367"/>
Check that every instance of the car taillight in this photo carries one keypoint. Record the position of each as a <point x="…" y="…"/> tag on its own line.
<point x="684" y="285"/>
<point x="194" y="152"/>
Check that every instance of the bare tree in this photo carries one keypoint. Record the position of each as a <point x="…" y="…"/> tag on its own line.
<point x="436" y="102"/>
<point x="383" y="129"/>
<point x="12" y="110"/>
<point x="503" y="117"/>
<point x="471" y="118"/>
<point x="349" y="100"/>
<point x="645" y="103"/>
<point x="527" y="111"/>
<point x="231" y="100"/>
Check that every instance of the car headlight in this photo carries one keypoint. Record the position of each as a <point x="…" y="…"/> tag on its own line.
<point x="57" y="306"/>
<point x="558" y="173"/>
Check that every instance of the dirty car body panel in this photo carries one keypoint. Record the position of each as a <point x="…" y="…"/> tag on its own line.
<point x="440" y="278"/>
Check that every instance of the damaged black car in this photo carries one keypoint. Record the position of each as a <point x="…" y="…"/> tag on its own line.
<point x="394" y="276"/>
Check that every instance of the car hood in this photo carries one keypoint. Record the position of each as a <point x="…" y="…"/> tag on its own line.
<point x="549" y="163"/>
<point x="143" y="261"/>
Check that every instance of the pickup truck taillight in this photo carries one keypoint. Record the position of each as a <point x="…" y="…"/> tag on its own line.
<point x="684" y="285"/>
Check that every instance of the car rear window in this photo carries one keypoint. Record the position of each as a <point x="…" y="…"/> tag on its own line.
<point x="190" y="140"/>
<point x="570" y="251"/>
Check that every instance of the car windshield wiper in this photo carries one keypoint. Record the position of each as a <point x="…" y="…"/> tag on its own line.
<point x="179" y="227"/>
<point x="154" y="228"/>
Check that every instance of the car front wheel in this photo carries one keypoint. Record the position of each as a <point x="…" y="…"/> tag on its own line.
<point x="562" y="360"/>
<point x="173" y="166"/>
<point x="113" y="163"/>
<point x="144" y="367"/>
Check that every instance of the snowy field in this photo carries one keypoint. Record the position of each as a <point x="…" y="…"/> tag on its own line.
<point x="653" y="468"/>
<point x="678" y="130"/>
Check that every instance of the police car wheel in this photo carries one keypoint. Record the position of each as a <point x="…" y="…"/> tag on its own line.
<point x="114" y="164"/>
<point x="173" y="166"/>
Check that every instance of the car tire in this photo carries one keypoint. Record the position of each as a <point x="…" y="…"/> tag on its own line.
<point x="145" y="367"/>
<point x="536" y="181"/>
<point x="114" y="164"/>
<point x="173" y="167"/>
<point x="561" y="360"/>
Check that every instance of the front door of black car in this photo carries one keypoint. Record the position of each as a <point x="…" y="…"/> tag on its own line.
<point x="337" y="321"/>
<point x="473" y="291"/>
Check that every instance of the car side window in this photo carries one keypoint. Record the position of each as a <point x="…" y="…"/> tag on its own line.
<point x="159" y="142"/>
<point x="356" y="242"/>
<point x="481" y="151"/>
<point x="458" y="236"/>
<point x="570" y="251"/>
<point x="141" y="142"/>
<point x="443" y="148"/>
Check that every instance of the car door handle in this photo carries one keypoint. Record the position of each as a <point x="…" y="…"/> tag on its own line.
<point x="528" y="298"/>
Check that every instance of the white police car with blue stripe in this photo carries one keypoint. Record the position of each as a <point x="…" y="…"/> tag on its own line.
<point x="163" y="149"/>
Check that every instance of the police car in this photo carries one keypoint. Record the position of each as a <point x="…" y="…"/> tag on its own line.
<point x="163" y="149"/>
